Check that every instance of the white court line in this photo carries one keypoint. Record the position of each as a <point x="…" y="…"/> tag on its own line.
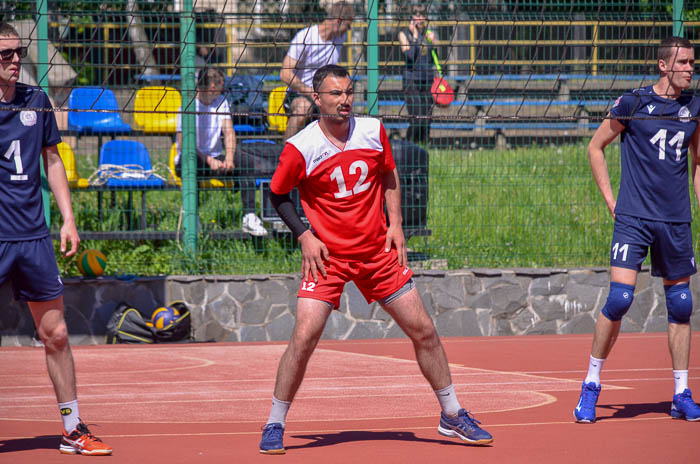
<point x="545" y="400"/>
<point x="370" y="376"/>
<point x="292" y="432"/>
<point x="481" y="372"/>
<point x="505" y="339"/>
<point x="344" y="388"/>
<point x="262" y="398"/>
<point x="642" y="369"/>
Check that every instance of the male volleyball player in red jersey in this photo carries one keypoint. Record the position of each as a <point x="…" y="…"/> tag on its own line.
<point x="345" y="173"/>
<point x="27" y="138"/>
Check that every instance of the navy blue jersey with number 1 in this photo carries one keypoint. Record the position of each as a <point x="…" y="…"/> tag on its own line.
<point x="23" y="133"/>
<point x="654" y="144"/>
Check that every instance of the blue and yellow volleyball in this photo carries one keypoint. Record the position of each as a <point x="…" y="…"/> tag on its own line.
<point x="164" y="316"/>
<point x="92" y="263"/>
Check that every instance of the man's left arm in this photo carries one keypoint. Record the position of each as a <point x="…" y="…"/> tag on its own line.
<point x="392" y="198"/>
<point x="56" y="176"/>
<point x="229" y="144"/>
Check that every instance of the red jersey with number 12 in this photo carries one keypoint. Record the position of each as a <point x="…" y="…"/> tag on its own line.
<point x="340" y="189"/>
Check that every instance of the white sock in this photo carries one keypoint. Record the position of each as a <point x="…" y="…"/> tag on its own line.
<point x="278" y="412"/>
<point x="448" y="400"/>
<point x="595" y="365"/>
<point x="70" y="415"/>
<point x="681" y="380"/>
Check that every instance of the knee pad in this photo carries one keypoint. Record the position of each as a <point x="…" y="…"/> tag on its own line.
<point x="619" y="301"/>
<point x="679" y="302"/>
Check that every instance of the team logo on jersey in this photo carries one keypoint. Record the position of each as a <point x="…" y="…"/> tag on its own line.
<point x="684" y="114"/>
<point x="28" y="118"/>
<point x="617" y="102"/>
<point x="651" y="108"/>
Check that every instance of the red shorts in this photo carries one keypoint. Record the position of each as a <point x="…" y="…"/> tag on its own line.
<point x="377" y="278"/>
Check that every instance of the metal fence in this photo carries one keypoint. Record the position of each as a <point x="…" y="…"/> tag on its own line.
<point x="505" y="181"/>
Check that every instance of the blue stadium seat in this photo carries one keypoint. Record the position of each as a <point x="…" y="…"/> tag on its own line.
<point x="96" y="98"/>
<point x="126" y="163"/>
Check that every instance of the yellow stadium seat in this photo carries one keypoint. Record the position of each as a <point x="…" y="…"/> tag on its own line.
<point x="150" y="105"/>
<point x="171" y="164"/>
<point x="278" y="122"/>
<point x="68" y="158"/>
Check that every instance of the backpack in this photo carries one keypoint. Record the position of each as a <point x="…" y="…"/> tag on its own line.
<point x="244" y="94"/>
<point x="412" y="165"/>
<point x="127" y="325"/>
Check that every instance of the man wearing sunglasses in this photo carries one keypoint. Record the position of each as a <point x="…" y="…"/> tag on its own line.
<point x="29" y="135"/>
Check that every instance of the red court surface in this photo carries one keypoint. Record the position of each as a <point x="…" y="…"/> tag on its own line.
<point x="362" y="401"/>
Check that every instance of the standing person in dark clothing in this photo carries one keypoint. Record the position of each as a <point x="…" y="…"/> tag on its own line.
<point x="416" y="46"/>
<point x="29" y="138"/>
<point x="657" y="125"/>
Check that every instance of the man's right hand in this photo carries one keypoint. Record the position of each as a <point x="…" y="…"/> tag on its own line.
<point x="214" y="164"/>
<point x="313" y="253"/>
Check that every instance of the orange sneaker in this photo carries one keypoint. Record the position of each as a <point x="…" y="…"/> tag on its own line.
<point x="81" y="441"/>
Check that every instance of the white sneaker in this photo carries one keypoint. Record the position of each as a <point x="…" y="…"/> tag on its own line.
<point x="253" y="225"/>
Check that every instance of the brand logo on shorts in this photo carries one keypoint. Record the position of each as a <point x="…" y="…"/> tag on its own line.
<point x="28" y="118"/>
<point x="684" y="296"/>
<point x="405" y="271"/>
<point x="684" y="114"/>
<point x="692" y="261"/>
<point x="625" y="295"/>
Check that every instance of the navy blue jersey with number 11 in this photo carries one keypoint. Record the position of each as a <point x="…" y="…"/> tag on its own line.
<point x="654" y="144"/>
<point x="23" y="133"/>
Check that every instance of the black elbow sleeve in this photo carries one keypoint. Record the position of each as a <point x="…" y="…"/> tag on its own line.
<point x="288" y="213"/>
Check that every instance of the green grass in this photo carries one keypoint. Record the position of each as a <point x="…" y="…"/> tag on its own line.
<point x="521" y="207"/>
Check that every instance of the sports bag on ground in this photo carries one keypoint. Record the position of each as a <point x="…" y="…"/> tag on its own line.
<point x="127" y="325"/>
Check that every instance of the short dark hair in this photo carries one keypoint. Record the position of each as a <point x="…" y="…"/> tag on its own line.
<point x="419" y="10"/>
<point x="666" y="46"/>
<point x="208" y="76"/>
<point x="6" y="30"/>
<point x="328" y="70"/>
<point x="341" y="10"/>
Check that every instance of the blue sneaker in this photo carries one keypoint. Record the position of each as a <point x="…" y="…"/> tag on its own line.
<point x="585" y="409"/>
<point x="683" y="406"/>
<point x="464" y="427"/>
<point x="271" y="442"/>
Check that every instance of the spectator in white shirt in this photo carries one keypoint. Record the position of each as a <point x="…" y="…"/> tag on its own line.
<point x="311" y="48"/>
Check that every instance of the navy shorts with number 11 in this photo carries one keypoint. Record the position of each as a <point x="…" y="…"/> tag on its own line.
<point x="671" y="245"/>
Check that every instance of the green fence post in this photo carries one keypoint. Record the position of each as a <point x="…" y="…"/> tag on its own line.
<point x="188" y="161"/>
<point x="678" y="29"/>
<point x="372" y="58"/>
<point x="42" y="78"/>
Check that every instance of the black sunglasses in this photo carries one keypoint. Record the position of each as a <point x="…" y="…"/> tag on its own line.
<point x="10" y="52"/>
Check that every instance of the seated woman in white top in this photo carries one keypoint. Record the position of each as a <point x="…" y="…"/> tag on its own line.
<point x="213" y="120"/>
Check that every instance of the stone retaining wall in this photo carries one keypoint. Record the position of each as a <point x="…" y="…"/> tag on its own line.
<point x="469" y="302"/>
